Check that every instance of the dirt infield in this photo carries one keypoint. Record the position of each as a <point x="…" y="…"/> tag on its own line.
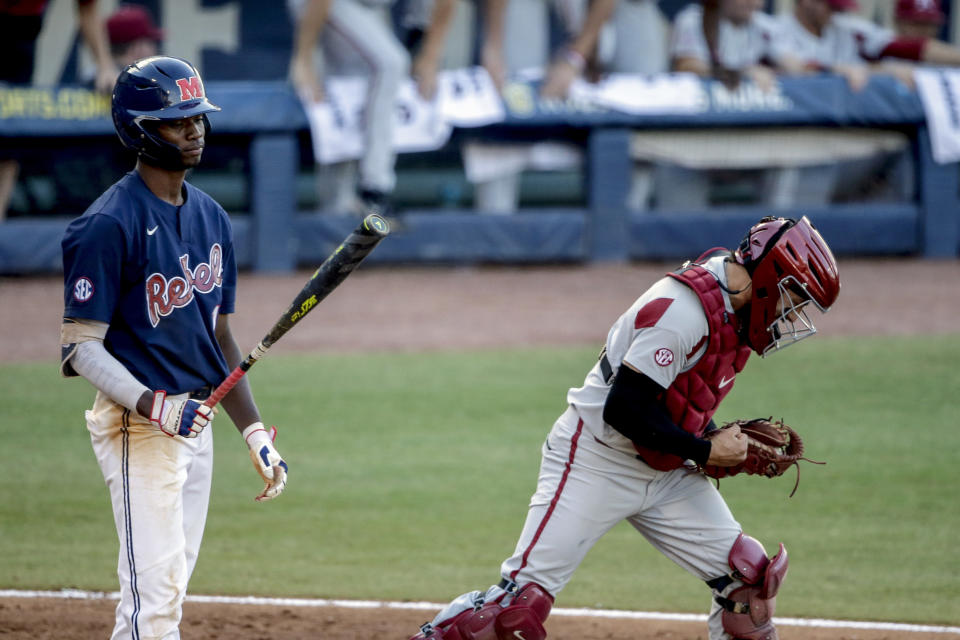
<point x="418" y="309"/>
<point x="44" y="619"/>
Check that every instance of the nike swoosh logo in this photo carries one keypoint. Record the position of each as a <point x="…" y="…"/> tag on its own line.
<point x="150" y="232"/>
<point x="724" y="382"/>
<point x="519" y="634"/>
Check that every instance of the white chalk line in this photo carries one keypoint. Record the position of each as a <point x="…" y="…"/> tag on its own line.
<point x="432" y="606"/>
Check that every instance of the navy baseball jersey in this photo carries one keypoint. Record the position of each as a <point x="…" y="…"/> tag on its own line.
<point x="159" y="274"/>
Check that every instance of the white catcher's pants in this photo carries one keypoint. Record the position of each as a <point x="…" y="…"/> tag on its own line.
<point x="160" y="489"/>
<point x="585" y="488"/>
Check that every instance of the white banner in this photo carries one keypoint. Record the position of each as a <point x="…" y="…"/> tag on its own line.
<point x="667" y="93"/>
<point x="418" y="125"/>
<point x="939" y="91"/>
<point x="336" y="123"/>
<point x="468" y="98"/>
<point x="465" y="98"/>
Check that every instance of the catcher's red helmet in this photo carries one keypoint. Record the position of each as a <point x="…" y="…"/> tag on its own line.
<point x="783" y="257"/>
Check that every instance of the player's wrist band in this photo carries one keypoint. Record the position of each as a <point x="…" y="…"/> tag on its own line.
<point x="252" y="431"/>
<point x="156" y="410"/>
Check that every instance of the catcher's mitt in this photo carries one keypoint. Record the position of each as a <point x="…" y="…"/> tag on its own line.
<point x="772" y="448"/>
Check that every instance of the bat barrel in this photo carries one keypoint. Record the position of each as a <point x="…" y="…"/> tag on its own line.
<point x="325" y="279"/>
<point x="341" y="263"/>
<point x="375" y="226"/>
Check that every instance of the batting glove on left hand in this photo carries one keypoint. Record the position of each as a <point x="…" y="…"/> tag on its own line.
<point x="184" y="418"/>
<point x="266" y="460"/>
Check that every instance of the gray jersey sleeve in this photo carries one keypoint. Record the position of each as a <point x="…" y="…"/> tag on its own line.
<point x="675" y="343"/>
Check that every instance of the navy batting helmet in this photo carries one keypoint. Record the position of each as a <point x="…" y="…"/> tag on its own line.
<point x="149" y="91"/>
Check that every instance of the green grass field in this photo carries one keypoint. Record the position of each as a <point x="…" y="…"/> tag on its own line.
<point x="410" y="475"/>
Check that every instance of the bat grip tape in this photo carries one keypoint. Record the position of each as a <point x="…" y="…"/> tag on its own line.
<point x="227" y="385"/>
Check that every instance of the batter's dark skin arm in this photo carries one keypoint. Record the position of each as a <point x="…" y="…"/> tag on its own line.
<point x="239" y="403"/>
<point x="145" y="403"/>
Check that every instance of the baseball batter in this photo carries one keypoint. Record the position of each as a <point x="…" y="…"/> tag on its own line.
<point x="630" y="442"/>
<point x="150" y="279"/>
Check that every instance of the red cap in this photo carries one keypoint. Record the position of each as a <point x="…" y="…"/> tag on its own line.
<point x="131" y="22"/>
<point x="843" y="5"/>
<point x="919" y="11"/>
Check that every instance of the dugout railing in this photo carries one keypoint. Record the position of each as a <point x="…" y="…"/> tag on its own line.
<point x="273" y="235"/>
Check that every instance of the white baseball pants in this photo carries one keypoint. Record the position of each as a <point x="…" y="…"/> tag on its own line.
<point x="160" y="489"/>
<point x="585" y="488"/>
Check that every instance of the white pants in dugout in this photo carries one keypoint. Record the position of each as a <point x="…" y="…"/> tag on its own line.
<point x="585" y="488"/>
<point x="160" y="489"/>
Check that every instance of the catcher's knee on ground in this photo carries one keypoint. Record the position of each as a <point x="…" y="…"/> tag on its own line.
<point x="504" y="612"/>
<point x="748" y="609"/>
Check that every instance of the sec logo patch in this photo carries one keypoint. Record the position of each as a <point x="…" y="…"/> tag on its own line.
<point x="663" y="357"/>
<point x="82" y="289"/>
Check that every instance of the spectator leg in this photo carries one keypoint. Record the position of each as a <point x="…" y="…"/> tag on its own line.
<point x="364" y="33"/>
<point x="499" y="195"/>
<point x="335" y="186"/>
<point x="641" y="187"/>
<point x="780" y="187"/>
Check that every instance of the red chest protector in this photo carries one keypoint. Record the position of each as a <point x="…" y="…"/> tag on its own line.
<point x="695" y="395"/>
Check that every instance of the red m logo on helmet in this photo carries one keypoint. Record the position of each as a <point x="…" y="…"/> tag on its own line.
<point x="190" y="88"/>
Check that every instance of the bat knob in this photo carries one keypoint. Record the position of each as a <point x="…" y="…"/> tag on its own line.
<point x="376" y="225"/>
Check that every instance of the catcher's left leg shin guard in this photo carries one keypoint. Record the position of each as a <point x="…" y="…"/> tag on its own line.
<point x="525" y="615"/>
<point x="748" y="610"/>
<point x="514" y="613"/>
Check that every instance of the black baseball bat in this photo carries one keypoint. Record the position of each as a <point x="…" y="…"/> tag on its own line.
<point x="325" y="279"/>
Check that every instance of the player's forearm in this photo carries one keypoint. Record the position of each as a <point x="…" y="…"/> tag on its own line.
<point x="92" y="361"/>
<point x="239" y="403"/>
<point x="597" y="15"/>
<point x="690" y="65"/>
<point x="308" y="28"/>
<point x="94" y="34"/>
<point x="795" y="66"/>
<point x="710" y="23"/>
<point x="633" y="410"/>
<point x="494" y="17"/>
<point x="436" y="35"/>
<point x="940" y="53"/>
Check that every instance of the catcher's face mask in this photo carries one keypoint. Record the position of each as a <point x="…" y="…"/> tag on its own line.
<point x="784" y="256"/>
<point x="791" y="323"/>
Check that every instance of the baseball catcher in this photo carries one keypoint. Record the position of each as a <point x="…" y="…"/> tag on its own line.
<point x="625" y="446"/>
<point x="772" y="448"/>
